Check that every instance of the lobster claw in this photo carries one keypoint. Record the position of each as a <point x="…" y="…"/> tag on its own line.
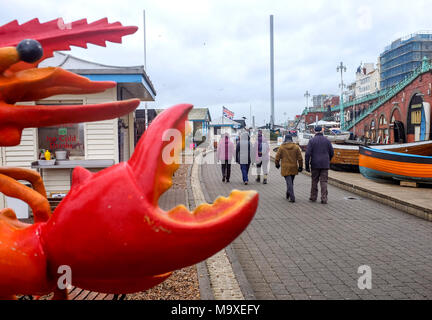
<point x="110" y="230"/>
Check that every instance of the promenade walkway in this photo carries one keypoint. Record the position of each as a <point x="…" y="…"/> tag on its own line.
<point x="312" y="251"/>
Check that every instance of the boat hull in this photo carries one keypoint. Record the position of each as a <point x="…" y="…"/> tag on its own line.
<point x="338" y="137"/>
<point x="304" y="138"/>
<point x="346" y="157"/>
<point x="383" y="165"/>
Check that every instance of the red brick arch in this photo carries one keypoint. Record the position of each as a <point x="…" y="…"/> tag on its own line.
<point x="408" y="127"/>
<point x="396" y="112"/>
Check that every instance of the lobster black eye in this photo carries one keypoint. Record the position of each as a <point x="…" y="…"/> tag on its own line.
<point x="29" y="50"/>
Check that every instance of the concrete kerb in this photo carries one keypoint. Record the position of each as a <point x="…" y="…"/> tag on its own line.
<point x="404" y="206"/>
<point x="243" y="283"/>
<point x="409" y="208"/>
<point x="225" y="274"/>
<point x="206" y="292"/>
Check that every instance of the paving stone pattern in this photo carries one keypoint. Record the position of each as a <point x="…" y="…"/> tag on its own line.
<point x="172" y="198"/>
<point x="307" y="250"/>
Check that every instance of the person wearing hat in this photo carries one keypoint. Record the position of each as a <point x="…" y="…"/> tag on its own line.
<point x="290" y="160"/>
<point x="319" y="152"/>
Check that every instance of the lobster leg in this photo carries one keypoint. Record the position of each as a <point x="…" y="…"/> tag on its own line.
<point x="26" y="174"/>
<point x="9" y="216"/>
<point x="38" y="202"/>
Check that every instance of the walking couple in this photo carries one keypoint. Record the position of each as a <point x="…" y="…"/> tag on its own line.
<point x="245" y="154"/>
<point x="319" y="152"/>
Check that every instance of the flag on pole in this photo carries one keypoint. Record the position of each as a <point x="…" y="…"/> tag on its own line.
<point x="227" y="113"/>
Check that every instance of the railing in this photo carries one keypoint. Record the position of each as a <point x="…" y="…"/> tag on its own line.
<point x="389" y="93"/>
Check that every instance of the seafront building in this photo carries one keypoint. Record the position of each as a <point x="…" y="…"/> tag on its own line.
<point x="349" y="93"/>
<point x="318" y="100"/>
<point x="367" y="80"/>
<point x="403" y="56"/>
<point x="401" y="113"/>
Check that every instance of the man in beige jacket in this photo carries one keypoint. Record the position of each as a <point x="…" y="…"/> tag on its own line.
<point x="289" y="157"/>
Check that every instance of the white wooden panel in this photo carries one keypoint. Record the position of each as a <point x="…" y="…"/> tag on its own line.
<point x="101" y="140"/>
<point x="19" y="155"/>
<point x="107" y="133"/>
<point x="25" y="153"/>
<point x="96" y="136"/>
<point x="100" y="146"/>
<point x="56" y="180"/>
<point x="103" y="125"/>
<point x="100" y="155"/>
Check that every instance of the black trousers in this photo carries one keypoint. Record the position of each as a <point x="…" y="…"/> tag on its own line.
<point x="226" y="169"/>
<point x="290" y="187"/>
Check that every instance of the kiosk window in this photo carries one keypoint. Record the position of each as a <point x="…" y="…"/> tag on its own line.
<point x="69" y="137"/>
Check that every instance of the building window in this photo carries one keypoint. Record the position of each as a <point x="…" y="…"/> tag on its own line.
<point x="416" y="117"/>
<point x="382" y="120"/>
<point x="68" y="137"/>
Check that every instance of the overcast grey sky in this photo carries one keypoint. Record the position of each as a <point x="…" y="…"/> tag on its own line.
<point x="216" y="52"/>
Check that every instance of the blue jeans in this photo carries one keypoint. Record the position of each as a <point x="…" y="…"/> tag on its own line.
<point x="245" y="170"/>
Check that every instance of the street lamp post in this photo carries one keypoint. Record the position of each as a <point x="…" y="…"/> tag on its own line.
<point x="272" y="117"/>
<point x="341" y="68"/>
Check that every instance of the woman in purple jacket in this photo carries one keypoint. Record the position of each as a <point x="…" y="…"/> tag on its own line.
<point x="225" y="152"/>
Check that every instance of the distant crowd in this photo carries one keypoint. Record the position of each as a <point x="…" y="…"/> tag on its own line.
<point x="288" y="159"/>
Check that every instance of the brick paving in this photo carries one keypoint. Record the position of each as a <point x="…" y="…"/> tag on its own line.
<point x="312" y="251"/>
<point x="172" y="198"/>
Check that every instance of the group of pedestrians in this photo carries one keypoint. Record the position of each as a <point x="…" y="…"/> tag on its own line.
<point x="288" y="158"/>
<point x="319" y="152"/>
<point x="245" y="153"/>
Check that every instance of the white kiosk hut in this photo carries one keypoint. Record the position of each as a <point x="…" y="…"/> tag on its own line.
<point x="94" y="145"/>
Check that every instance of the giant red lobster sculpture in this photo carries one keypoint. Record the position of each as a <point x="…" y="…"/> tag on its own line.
<point x="108" y="229"/>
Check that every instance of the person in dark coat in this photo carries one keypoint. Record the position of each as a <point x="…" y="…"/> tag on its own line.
<point x="289" y="156"/>
<point x="319" y="152"/>
<point x="243" y="155"/>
